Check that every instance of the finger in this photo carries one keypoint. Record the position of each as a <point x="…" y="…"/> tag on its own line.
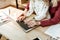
<point x="29" y="26"/>
<point x="32" y="24"/>
<point x="19" y="16"/>
<point x="26" y="21"/>
<point x="22" y="18"/>
<point x="22" y="14"/>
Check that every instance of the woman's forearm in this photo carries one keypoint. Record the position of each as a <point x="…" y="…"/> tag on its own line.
<point x="54" y="20"/>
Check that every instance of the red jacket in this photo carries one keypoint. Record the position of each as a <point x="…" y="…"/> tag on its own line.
<point x="55" y="14"/>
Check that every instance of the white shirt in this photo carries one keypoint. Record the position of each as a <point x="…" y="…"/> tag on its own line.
<point x="39" y="7"/>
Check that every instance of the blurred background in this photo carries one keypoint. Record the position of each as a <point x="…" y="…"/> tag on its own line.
<point x="15" y="3"/>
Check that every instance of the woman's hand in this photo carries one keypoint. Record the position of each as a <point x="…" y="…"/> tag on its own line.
<point x="54" y="2"/>
<point x="26" y="21"/>
<point x="32" y="23"/>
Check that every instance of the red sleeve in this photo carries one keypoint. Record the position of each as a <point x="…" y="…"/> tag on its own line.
<point x="27" y="7"/>
<point x="54" y="20"/>
<point x="52" y="9"/>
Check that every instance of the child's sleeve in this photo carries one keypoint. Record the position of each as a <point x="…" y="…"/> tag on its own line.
<point x="54" y="20"/>
<point x="42" y="13"/>
<point x="27" y="7"/>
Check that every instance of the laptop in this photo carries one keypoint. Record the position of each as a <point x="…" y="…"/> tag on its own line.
<point x="25" y="26"/>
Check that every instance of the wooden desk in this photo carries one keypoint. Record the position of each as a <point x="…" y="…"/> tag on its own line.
<point x="14" y="32"/>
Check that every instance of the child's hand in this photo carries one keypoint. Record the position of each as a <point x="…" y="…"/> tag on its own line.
<point x="26" y="21"/>
<point x="22" y="17"/>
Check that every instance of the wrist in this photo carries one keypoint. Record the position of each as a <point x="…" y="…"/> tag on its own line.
<point x="38" y="23"/>
<point x="54" y="6"/>
<point x="25" y="10"/>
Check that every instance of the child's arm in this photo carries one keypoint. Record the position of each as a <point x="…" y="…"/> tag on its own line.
<point x="27" y="7"/>
<point x="20" y="18"/>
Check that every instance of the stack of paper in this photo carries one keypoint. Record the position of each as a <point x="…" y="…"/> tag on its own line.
<point x="3" y="18"/>
<point x="54" y="31"/>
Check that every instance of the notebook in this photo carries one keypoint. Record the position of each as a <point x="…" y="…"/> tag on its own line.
<point x="54" y="31"/>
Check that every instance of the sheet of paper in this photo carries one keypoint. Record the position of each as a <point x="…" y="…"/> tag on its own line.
<point x="15" y="13"/>
<point x="12" y="12"/>
<point x="54" y="31"/>
<point x="3" y="18"/>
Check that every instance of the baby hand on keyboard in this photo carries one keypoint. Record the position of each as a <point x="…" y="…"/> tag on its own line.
<point x="20" y="18"/>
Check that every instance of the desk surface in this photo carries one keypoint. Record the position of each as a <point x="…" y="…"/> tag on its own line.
<point x="14" y="32"/>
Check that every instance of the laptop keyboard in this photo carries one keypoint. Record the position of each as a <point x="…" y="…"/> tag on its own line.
<point x="23" y="25"/>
